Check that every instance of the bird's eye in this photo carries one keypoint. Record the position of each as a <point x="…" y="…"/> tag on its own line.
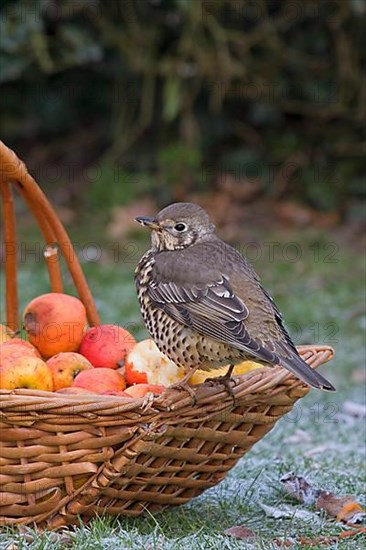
<point x="180" y="227"/>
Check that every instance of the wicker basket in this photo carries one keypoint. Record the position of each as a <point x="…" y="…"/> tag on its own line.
<point x="68" y="456"/>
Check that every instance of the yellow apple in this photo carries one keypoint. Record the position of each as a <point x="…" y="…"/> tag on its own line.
<point x="25" y="372"/>
<point x="241" y="368"/>
<point x="65" y="366"/>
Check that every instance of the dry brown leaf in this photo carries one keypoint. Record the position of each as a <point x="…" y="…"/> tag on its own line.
<point x="326" y="541"/>
<point x="284" y="543"/>
<point x="317" y="541"/>
<point x="353" y="533"/>
<point x="240" y="532"/>
<point x="345" y="509"/>
<point x="299" y="488"/>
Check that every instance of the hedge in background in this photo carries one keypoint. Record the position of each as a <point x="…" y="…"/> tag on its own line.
<point x="268" y="91"/>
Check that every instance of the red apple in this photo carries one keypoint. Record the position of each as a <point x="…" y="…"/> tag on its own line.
<point x="100" y="380"/>
<point x="73" y="390"/>
<point x="106" y="345"/>
<point x="140" y="390"/>
<point x="55" y="322"/>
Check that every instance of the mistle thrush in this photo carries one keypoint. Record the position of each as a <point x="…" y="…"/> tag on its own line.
<point x="203" y="303"/>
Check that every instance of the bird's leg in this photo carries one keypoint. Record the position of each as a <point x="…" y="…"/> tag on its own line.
<point x="225" y="380"/>
<point x="183" y="384"/>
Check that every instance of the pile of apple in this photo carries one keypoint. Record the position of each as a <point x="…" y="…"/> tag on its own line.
<point x="63" y="354"/>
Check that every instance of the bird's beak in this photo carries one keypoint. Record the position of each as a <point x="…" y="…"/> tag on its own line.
<point x="147" y="221"/>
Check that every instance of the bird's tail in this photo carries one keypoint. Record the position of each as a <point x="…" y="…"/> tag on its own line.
<point x="302" y="370"/>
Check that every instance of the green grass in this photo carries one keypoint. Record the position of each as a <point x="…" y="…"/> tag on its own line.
<point x="321" y="301"/>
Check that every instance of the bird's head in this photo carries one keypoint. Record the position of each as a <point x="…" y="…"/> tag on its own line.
<point x="178" y="226"/>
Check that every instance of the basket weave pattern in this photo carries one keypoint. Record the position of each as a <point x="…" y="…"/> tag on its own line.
<point x="65" y="456"/>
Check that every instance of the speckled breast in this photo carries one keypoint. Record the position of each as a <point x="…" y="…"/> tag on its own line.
<point x="183" y="346"/>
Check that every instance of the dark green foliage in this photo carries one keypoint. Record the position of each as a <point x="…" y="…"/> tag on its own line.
<point x="168" y="86"/>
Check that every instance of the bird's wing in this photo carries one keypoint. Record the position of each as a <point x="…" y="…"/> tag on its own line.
<point x="201" y="297"/>
<point x="285" y="343"/>
<point x="212" y="310"/>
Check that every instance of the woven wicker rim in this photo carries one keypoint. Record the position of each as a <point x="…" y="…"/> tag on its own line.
<point x="258" y="381"/>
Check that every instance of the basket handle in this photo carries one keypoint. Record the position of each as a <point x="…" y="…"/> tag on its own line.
<point x="13" y="171"/>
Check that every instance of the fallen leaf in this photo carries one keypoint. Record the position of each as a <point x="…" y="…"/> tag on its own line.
<point x="240" y="532"/>
<point x="353" y="533"/>
<point x="345" y="509"/>
<point x="285" y="511"/>
<point x="284" y="543"/>
<point x="317" y="541"/>
<point x="299" y="488"/>
<point x="357" y="410"/>
<point x="326" y="541"/>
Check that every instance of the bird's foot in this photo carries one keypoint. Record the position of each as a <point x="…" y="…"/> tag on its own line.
<point x="225" y="380"/>
<point x="183" y="384"/>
